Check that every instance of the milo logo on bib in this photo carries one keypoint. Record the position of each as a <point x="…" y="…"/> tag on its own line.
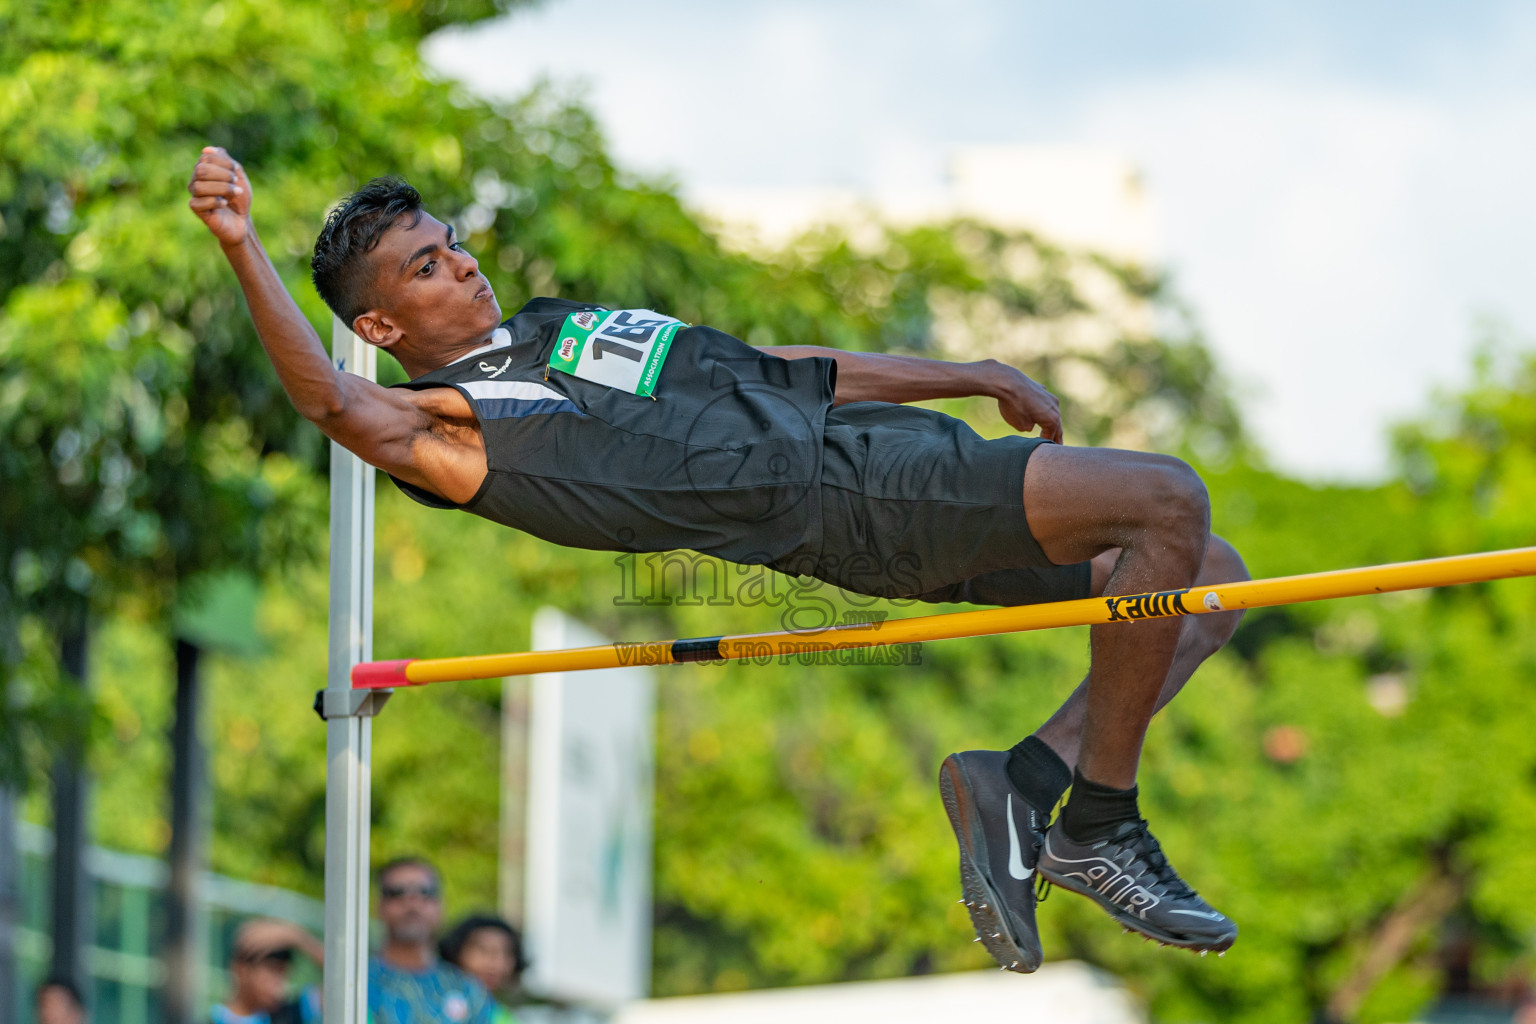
<point x="621" y="348"/>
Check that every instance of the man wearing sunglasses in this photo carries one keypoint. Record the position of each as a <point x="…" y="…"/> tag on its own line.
<point x="407" y="983"/>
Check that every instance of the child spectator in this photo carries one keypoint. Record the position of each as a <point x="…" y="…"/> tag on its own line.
<point x="258" y="971"/>
<point x="489" y="949"/>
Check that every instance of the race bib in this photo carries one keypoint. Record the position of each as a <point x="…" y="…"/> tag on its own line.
<point x="621" y="348"/>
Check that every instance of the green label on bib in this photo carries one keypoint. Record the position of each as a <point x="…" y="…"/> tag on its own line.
<point x="621" y="348"/>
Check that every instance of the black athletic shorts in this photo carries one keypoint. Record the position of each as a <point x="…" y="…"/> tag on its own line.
<point x="916" y="504"/>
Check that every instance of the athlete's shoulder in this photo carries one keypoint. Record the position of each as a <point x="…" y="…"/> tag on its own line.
<point x="544" y="306"/>
<point x="537" y="314"/>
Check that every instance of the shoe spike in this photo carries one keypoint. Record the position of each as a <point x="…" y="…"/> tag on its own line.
<point x="1204" y="951"/>
<point x="1221" y="954"/>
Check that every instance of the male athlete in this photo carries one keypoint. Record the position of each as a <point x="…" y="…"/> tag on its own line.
<point x="624" y="430"/>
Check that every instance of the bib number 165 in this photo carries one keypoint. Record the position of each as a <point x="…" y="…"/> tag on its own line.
<point x="622" y="348"/>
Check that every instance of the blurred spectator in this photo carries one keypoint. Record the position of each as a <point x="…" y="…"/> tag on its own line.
<point x="58" y="1002"/>
<point x="258" y="971"/>
<point x="489" y="949"/>
<point x="407" y="983"/>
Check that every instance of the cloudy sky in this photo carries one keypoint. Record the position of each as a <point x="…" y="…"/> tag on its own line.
<point x="1344" y="190"/>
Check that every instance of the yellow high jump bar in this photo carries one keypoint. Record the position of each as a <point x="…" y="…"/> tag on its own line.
<point x="1318" y="586"/>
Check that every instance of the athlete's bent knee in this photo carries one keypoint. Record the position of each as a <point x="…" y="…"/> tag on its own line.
<point x="1223" y="564"/>
<point x="1178" y="509"/>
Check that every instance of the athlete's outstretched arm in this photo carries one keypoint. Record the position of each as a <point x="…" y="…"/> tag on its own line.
<point x="881" y="377"/>
<point x="375" y="423"/>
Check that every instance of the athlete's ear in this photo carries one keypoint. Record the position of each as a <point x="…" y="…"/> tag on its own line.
<point x="377" y="328"/>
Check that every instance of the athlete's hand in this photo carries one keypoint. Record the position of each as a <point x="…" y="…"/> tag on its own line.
<point x="221" y="196"/>
<point x="1025" y="404"/>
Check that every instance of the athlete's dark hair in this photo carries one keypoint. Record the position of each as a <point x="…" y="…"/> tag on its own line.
<point x="452" y="944"/>
<point x="352" y="230"/>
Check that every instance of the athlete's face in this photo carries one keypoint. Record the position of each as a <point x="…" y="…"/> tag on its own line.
<point x="432" y="299"/>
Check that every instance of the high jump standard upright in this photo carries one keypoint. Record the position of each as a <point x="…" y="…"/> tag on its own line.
<point x="348" y="714"/>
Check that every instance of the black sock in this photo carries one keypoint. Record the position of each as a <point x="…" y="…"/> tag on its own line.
<point x="1036" y="771"/>
<point x="1095" y="811"/>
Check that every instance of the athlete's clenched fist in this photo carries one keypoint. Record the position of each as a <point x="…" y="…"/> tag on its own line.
<point x="221" y="196"/>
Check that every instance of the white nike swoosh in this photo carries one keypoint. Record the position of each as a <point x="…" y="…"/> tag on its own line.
<point x="1016" y="866"/>
<point x="1198" y="913"/>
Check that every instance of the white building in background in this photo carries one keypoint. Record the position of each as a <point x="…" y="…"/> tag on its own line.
<point x="1079" y="197"/>
<point x="1075" y="196"/>
<point x="1083" y="200"/>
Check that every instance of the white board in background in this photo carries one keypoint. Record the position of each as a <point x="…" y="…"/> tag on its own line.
<point x="587" y="900"/>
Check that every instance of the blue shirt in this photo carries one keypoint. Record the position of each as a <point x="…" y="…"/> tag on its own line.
<point x="303" y="1010"/>
<point x="441" y="993"/>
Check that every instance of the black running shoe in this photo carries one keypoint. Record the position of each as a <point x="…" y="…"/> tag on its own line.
<point x="1128" y="876"/>
<point x="999" y="835"/>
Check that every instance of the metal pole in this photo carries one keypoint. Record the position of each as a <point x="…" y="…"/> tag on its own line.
<point x="10" y="906"/>
<point x="72" y="917"/>
<point x="10" y="856"/>
<point x="348" y="715"/>
<point x="182" y="911"/>
<point x="1318" y="586"/>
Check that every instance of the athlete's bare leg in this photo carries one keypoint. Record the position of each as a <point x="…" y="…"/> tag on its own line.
<point x="1201" y="637"/>
<point x="1145" y="522"/>
<point x="1083" y="502"/>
